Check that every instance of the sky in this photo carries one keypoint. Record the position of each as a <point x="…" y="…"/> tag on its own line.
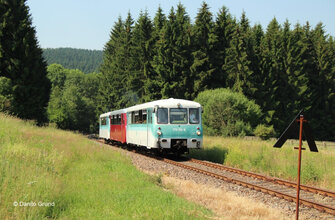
<point x="87" y="24"/>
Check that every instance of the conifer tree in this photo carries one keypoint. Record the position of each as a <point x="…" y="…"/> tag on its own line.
<point x="143" y="53"/>
<point x="127" y="64"/>
<point x="183" y="55"/>
<point x="202" y="68"/>
<point x="154" y="86"/>
<point x="281" y="94"/>
<point x="163" y="60"/>
<point x="319" y="72"/>
<point x="255" y="51"/>
<point x="21" y="61"/>
<point x="331" y="89"/>
<point x="159" y="21"/>
<point x="109" y="88"/>
<point x="238" y="60"/>
<point x="172" y="60"/>
<point x="293" y="65"/>
<point x="224" y="28"/>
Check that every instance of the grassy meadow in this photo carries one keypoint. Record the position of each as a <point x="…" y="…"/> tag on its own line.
<point x="48" y="173"/>
<point x="260" y="156"/>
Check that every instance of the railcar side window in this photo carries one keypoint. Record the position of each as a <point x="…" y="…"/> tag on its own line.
<point x="162" y="116"/>
<point x="118" y="119"/>
<point x="139" y="119"/>
<point x="144" y="116"/>
<point x="149" y="117"/>
<point x="103" y="121"/>
<point x="133" y="117"/>
<point x="178" y="115"/>
<point x="136" y="117"/>
<point x="194" y="116"/>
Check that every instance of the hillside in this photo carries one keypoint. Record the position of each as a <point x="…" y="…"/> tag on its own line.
<point x="49" y="174"/>
<point x="87" y="61"/>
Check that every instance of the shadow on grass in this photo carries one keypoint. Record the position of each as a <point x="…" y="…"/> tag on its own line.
<point x="214" y="154"/>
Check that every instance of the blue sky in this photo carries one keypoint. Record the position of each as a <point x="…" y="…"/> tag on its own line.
<point x="87" y="23"/>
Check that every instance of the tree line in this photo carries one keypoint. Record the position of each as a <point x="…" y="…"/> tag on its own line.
<point x="87" y="61"/>
<point x="283" y="69"/>
<point x="24" y="86"/>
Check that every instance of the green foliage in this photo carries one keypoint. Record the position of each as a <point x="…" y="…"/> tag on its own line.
<point x="140" y="80"/>
<point x="118" y="69"/>
<point x="56" y="75"/>
<point x="202" y="68"/>
<point x="228" y="113"/>
<point x="72" y="102"/>
<point x="283" y="69"/>
<point x="264" y="132"/>
<point x="173" y="56"/>
<point x="88" y="61"/>
<point x="6" y="92"/>
<point x="224" y="29"/>
<point x="21" y="61"/>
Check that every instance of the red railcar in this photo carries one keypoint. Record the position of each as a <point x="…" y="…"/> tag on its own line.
<point x="118" y="126"/>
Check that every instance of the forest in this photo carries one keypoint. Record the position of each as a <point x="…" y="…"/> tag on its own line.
<point x="281" y="69"/>
<point x="87" y="61"/>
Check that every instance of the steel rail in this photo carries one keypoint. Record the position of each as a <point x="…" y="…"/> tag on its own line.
<point x="266" y="178"/>
<point x="320" y="207"/>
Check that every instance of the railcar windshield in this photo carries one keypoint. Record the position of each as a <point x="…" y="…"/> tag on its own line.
<point x="162" y="116"/>
<point x="194" y="116"/>
<point x="103" y="121"/>
<point x="178" y="115"/>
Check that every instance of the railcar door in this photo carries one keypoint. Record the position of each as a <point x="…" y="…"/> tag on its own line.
<point x="110" y="128"/>
<point x="149" y="128"/>
<point x="145" y="128"/>
<point x="123" y="127"/>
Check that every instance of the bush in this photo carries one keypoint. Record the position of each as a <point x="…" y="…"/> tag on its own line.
<point x="228" y="113"/>
<point x="264" y="132"/>
<point x="6" y="97"/>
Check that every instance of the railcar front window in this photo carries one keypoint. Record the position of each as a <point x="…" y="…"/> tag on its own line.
<point x="162" y="116"/>
<point x="103" y="121"/>
<point x="194" y="116"/>
<point x="178" y="115"/>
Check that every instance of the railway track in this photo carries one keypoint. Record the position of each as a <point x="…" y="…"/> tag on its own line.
<point x="267" y="178"/>
<point x="320" y="199"/>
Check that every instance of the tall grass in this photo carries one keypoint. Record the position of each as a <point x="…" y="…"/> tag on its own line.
<point x="260" y="156"/>
<point x="74" y="178"/>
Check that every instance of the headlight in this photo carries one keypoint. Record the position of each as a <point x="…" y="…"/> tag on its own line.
<point x="198" y="133"/>
<point x="159" y="133"/>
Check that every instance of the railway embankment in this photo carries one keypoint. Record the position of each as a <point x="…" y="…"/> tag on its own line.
<point x="226" y="198"/>
<point x="49" y="173"/>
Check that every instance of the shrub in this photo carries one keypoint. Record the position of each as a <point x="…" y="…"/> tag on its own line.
<point x="264" y="132"/>
<point x="228" y="113"/>
<point x="6" y="97"/>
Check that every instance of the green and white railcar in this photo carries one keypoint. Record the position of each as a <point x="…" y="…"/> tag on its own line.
<point x="170" y="125"/>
